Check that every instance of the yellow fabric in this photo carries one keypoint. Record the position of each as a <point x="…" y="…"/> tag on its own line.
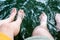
<point x="4" y="37"/>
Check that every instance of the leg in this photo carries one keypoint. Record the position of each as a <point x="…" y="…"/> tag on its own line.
<point x="42" y="29"/>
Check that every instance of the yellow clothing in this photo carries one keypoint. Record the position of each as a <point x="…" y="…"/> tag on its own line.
<point x="4" y="37"/>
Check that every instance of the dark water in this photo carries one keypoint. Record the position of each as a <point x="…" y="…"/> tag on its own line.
<point x="32" y="8"/>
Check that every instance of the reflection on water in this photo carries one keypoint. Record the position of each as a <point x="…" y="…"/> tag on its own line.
<point x="33" y="9"/>
<point x="2" y="0"/>
<point x="42" y="1"/>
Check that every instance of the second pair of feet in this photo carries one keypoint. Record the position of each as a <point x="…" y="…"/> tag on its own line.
<point x="43" y="20"/>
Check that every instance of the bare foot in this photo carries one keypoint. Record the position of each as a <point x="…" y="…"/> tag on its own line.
<point x="43" y="20"/>
<point x="57" y="18"/>
<point x="18" y="22"/>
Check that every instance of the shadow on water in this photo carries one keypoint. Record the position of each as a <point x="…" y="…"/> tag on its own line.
<point x="32" y="8"/>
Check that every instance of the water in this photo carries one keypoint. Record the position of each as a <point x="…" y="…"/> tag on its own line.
<point x="32" y="8"/>
<point x="2" y="0"/>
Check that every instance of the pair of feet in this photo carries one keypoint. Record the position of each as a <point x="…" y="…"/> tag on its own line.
<point x="43" y="21"/>
<point x="10" y="27"/>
